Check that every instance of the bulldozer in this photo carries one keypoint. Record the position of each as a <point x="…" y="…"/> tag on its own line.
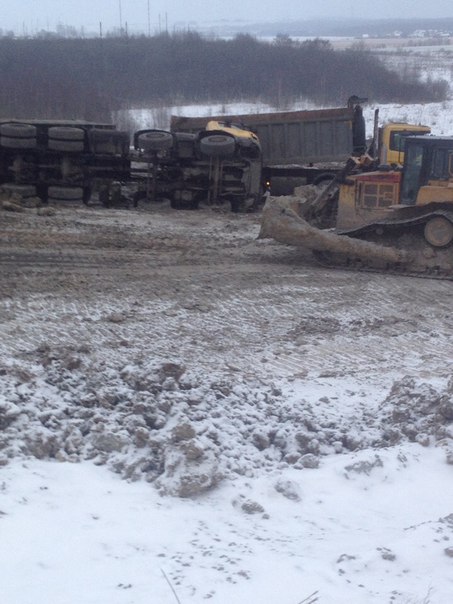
<point x="390" y="219"/>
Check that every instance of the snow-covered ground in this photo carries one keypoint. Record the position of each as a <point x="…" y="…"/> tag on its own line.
<point x="365" y="527"/>
<point x="188" y="414"/>
<point x="185" y="407"/>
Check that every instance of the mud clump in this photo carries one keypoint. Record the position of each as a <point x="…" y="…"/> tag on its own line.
<point x="417" y="412"/>
<point x="186" y="432"/>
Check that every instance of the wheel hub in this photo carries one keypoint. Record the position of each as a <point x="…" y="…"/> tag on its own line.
<point x="439" y="231"/>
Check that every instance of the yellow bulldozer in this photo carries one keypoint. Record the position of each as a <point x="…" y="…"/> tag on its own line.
<point x="396" y="219"/>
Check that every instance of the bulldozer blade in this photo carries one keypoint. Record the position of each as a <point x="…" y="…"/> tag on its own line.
<point x="280" y="221"/>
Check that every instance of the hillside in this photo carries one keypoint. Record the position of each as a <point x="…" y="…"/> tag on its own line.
<point x="94" y="78"/>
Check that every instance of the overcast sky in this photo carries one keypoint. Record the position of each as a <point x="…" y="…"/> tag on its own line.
<point x="33" y="15"/>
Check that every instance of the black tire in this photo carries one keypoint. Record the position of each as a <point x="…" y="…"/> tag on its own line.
<point x="23" y="190"/>
<point x="65" y="194"/>
<point x="16" y="130"/>
<point x="66" y="133"/>
<point x="66" y="138"/>
<point x="217" y="145"/>
<point x="18" y="136"/>
<point x="155" y="140"/>
<point x="17" y="143"/>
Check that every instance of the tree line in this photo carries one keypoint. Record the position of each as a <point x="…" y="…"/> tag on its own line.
<point x="92" y="78"/>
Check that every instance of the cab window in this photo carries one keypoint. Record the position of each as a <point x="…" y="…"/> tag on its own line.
<point x="397" y="140"/>
<point x="412" y="175"/>
<point x="442" y="164"/>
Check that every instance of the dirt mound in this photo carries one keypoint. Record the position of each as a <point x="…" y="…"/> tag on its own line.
<point x="417" y="412"/>
<point x="185" y="431"/>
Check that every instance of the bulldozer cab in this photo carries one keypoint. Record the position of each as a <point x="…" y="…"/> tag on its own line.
<point x="428" y="170"/>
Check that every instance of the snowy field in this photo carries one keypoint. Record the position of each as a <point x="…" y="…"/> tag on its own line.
<point x="190" y="414"/>
<point x="75" y="533"/>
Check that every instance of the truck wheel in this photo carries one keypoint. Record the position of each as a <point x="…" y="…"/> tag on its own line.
<point x="18" y="136"/>
<point x="65" y="194"/>
<point x="155" y="140"/>
<point x="66" y="138"/>
<point x="439" y="231"/>
<point x="23" y="190"/>
<point x="218" y="145"/>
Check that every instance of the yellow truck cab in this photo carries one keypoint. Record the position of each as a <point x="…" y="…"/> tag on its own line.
<point x="391" y="141"/>
<point x="236" y="130"/>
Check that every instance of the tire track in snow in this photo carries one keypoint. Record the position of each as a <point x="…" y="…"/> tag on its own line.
<point x="213" y="296"/>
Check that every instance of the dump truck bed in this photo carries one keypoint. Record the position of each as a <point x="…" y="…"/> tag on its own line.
<point x="290" y="137"/>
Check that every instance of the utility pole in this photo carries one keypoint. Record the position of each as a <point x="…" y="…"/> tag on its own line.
<point x="149" y="22"/>
<point x="121" y="18"/>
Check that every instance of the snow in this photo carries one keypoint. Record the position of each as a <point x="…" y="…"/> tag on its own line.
<point x="308" y="457"/>
<point x="350" y="502"/>
<point x="76" y="533"/>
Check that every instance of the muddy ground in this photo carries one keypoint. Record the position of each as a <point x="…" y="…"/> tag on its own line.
<point x="175" y="348"/>
<point x="178" y="348"/>
<point x="199" y="286"/>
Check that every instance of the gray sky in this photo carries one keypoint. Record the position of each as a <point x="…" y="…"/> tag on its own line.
<point x="33" y="15"/>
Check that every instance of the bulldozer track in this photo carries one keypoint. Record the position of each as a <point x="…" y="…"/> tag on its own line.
<point x="35" y="261"/>
<point x="214" y="297"/>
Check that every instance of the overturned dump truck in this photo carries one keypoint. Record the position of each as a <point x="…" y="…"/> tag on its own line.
<point x="298" y="147"/>
<point x="391" y="220"/>
<point x="73" y="161"/>
<point x="312" y="146"/>
<point x="219" y="164"/>
<point x="63" y="160"/>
